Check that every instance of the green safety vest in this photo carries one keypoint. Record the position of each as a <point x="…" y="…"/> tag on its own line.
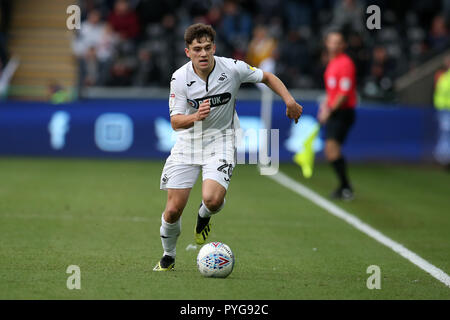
<point x="442" y="92"/>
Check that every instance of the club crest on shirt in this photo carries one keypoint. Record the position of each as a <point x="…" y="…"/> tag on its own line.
<point x="215" y="100"/>
<point x="223" y="77"/>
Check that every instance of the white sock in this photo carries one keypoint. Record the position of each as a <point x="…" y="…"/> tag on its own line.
<point x="204" y="212"/>
<point x="169" y="233"/>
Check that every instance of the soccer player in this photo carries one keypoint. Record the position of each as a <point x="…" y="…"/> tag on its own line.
<point x="337" y="112"/>
<point x="202" y="108"/>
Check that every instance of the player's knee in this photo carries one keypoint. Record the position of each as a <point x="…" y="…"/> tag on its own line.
<point x="172" y="214"/>
<point x="213" y="203"/>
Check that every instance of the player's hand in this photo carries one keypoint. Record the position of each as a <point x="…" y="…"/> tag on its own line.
<point x="203" y="110"/>
<point x="294" y="110"/>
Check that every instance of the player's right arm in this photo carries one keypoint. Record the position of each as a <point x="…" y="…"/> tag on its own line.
<point x="178" y="107"/>
<point x="184" y="121"/>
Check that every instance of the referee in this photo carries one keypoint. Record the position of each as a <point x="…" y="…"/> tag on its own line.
<point x="337" y="111"/>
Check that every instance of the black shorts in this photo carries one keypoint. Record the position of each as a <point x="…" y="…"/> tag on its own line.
<point x="339" y="124"/>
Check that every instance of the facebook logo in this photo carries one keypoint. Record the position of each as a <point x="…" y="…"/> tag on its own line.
<point x="58" y="127"/>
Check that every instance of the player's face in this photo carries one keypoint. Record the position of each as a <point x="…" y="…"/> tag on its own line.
<point x="335" y="43"/>
<point x="202" y="54"/>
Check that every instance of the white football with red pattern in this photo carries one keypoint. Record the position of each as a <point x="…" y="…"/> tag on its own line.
<point x="215" y="260"/>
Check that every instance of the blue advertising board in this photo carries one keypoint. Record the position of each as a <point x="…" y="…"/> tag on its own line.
<point x="141" y="129"/>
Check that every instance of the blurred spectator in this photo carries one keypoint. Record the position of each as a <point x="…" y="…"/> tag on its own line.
<point x="438" y="36"/>
<point x="198" y="8"/>
<point x="297" y="13"/>
<point x="426" y="10"/>
<point x="121" y="73"/>
<point x="90" y="68"/>
<point x="348" y="15"/>
<point x="147" y="71"/>
<point x="87" y="6"/>
<point x="124" y="20"/>
<point x="214" y="17"/>
<point x="442" y="105"/>
<point x="89" y="34"/>
<point x="235" y="28"/>
<point x="94" y="47"/>
<point x="167" y="60"/>
<point x="106" y="45"/>
<point x="294" y="59"/>
<point x="84" y="47"/>
<point x="359" y="53"/>
<point x="319" y="69"/>
<point x="265" y="9"/>
<point x="151" y="11"/>
<point x="380" y="79"/>
<point x="260" y="47"/>
<point x="57" y="94"/>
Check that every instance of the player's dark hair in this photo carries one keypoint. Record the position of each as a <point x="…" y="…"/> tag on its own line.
<point x="199" y="31"/>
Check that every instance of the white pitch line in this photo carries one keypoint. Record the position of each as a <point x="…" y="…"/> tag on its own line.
<point x="297" y="187"/>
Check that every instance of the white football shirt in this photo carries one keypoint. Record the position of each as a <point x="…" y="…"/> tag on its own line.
<point x="215" y="135"/>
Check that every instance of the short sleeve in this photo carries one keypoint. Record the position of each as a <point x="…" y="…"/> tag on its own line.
<point x="177" y="97"/>
<point x="248" y="73"/>
<point x="346" y="79"/>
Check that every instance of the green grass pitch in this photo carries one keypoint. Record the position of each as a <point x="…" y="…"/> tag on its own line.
<point x="104" y="216"/>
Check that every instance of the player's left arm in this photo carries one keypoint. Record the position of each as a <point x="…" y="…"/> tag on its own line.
<point x="293" y="109"/>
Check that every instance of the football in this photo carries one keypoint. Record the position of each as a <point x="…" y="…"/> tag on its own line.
<point x="215" y="260"/>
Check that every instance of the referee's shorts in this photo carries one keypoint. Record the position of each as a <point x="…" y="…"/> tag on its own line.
<point x="338" y="125"/>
